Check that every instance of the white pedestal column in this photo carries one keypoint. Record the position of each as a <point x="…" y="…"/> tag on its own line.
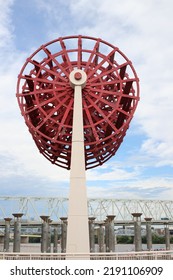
<point x="78" y="232"/>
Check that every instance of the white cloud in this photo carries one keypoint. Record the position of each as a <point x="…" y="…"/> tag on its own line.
<point x="142" y="30"/>
<point x="141" y="188"/>
<point x="5" y="23"/>
<point x="111" y="173"/>
<point x="15" y="139"/>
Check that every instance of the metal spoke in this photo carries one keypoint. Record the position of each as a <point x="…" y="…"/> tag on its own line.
<point x="109" y="98"/>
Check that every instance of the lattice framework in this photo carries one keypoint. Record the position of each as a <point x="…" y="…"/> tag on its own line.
<point x="109" y="100"/>
<point x="33" y="207"/>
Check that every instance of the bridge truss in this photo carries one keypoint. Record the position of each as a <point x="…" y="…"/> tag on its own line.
<point x="56" y="207"/>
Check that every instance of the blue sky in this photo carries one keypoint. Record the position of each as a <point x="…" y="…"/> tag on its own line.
<point x="143" y="165"/>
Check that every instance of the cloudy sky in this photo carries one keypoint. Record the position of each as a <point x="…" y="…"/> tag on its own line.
<point x="143" y="165"/>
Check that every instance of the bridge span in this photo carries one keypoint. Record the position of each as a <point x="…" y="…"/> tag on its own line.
<point x="56" y="207"/>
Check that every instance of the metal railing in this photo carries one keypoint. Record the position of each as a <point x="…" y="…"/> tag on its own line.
<point x="144" y="255"/>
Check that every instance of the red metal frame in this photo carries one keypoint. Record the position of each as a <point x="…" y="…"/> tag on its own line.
<point x="46" y="98"/>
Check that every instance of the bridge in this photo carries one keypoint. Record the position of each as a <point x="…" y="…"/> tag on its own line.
<point x="56" y="207"/>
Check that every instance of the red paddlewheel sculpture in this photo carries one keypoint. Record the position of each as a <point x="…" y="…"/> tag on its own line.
<point x="46" y="98"/>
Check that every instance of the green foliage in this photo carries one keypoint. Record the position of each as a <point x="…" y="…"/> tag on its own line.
<point x="124" y="239"/>
<point x="34" y="239"/>
<point x="156" y="239"/>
